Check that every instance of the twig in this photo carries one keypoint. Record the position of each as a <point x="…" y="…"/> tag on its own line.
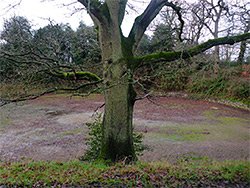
<point x="99" y="107"/>
<point x="143" y="97"/>
<point x="32" y="97"/>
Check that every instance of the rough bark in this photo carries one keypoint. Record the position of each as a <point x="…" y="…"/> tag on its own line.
<point x="117" y="131"/>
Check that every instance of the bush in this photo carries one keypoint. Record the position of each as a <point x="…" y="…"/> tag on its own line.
<point x="94" y="140"/>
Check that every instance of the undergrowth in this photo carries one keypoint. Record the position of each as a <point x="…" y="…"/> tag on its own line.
<point x="187" y="173"/>
<point x="229" y="83"/>
<point x="94" y="140"/>
<point x="225" y="85"/>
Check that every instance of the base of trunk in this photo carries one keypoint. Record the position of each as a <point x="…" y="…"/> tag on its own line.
<point x="117" y="141"/>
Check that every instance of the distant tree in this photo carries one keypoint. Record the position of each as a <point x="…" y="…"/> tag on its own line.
<point x="51" y="47"/>
<point x="48" y="52"/>
<point x="242" y="22"/>
<point x="86" y="48"/>
<point x="54" y="41"/>
<point x="16" y="37"/>
<point x="16" y="33"/>
<point x="211" y="16"/>
<point x="196" y="17"/>
<point x="163" y="38"/>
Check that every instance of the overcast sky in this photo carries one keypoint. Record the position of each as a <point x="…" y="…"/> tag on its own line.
<point x="39" y="11"/>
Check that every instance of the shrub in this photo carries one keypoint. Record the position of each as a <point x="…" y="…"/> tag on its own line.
<point x="94" y="140"/>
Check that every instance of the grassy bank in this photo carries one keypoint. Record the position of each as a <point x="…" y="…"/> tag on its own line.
<point x="186" y="172"/>
<point x="231" y="83"/>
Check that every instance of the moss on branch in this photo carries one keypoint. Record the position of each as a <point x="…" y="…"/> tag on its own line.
<point x="171" y="56"/>
<point x="77" y="76"/>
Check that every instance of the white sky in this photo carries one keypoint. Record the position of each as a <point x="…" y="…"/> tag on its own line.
<point x="39" y="11"/>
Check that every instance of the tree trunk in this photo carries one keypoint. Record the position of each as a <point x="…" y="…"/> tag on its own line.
<point x="216" y="48"/>
<point x="243" y="47"/>
<point x="117" y="143"/>
<point x="117" y="137"/>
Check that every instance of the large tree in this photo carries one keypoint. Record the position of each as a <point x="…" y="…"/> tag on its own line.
<point x="119" y="65"/>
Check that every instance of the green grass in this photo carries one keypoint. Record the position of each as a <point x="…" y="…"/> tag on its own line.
<point x="187" y="172"/>
<point x="183" y="133"/>
<point x="228" y="127"/>
<point x="74" y="131"/>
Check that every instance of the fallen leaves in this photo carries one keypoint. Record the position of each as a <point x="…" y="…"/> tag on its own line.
<point x="78" y="174"/>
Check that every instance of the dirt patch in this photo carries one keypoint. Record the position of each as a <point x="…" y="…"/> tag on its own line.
<point x="53" y="128"/>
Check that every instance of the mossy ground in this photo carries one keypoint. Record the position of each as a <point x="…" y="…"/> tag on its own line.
<point x="53" y="128"/>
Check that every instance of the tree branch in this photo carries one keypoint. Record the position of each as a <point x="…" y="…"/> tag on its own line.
<point x="177" y="9"/>
<point x="76" y="75"/>
<point x="32" y="97"/>
<point x="95" y="8"/>
<point x="123" y="4"/>
<point x="142" y="22"/>
<point x="171" y="56"/>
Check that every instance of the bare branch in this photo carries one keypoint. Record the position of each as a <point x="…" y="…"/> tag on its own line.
<point x="11" y="6"/>
<point x="142" y="22"/>
<point x="4" y="102"/>
<point x="177" y="9"/>
<point x="143" y="97"/>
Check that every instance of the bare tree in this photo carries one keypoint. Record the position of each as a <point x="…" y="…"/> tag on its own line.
<point x="216" y="12"/>
<point x="242" y="19"/>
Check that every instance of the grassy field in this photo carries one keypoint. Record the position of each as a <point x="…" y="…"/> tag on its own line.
<point x="188" y="172"/>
